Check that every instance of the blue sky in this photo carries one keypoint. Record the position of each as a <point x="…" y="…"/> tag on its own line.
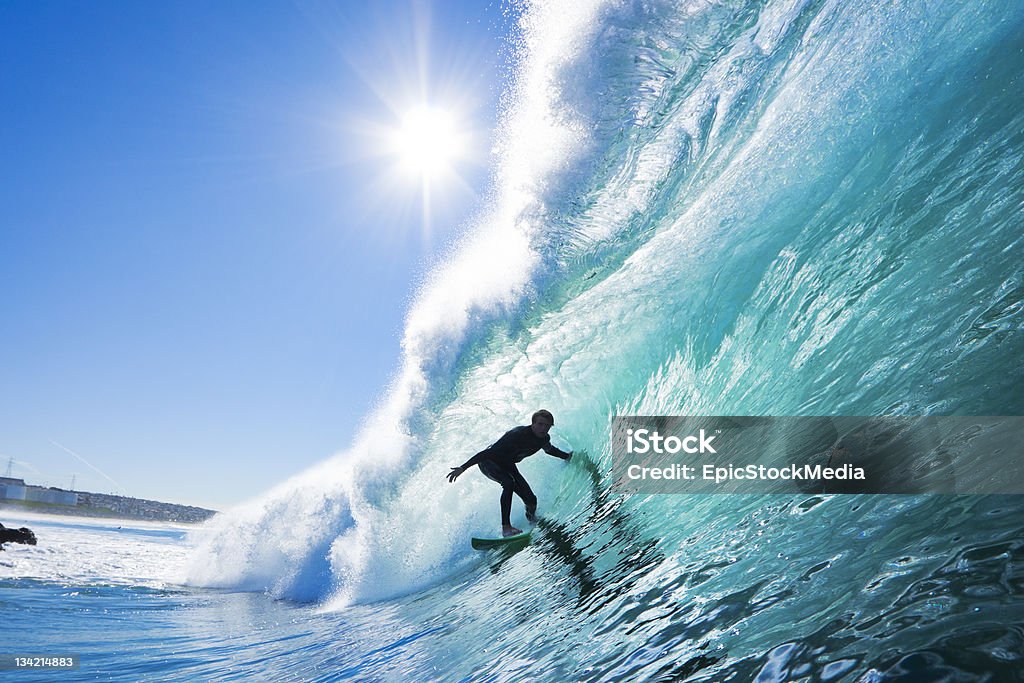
<point x="206" y="253"/>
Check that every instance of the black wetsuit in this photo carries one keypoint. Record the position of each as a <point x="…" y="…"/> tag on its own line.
<point x="498" y="463"/>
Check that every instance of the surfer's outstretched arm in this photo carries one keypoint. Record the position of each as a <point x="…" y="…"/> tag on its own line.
<point x="456" y="471"/>
<point x="557" y="452"/>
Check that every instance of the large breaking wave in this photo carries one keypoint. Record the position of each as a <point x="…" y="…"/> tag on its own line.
<point x="728" y="208"/>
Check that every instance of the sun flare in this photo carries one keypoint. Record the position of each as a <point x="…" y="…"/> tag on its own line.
<point x="428" y="142"/>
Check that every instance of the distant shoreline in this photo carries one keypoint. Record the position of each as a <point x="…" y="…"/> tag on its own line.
<point x="105" y="506"/>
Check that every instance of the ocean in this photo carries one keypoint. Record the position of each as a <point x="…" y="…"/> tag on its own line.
<point x="764" y="208"/>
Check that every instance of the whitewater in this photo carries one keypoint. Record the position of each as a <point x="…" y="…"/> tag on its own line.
<point x="769" y="208"/>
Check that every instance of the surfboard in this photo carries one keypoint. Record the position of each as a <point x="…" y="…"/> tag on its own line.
<point x="487" y="543"/>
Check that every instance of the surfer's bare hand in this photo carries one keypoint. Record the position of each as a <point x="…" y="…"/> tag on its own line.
<point x="454" y="474"/>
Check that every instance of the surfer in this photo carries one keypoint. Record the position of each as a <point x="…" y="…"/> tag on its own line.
<point x="498" y="463"/>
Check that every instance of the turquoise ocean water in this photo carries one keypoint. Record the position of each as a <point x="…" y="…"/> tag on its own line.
<point x="701" y="208"/>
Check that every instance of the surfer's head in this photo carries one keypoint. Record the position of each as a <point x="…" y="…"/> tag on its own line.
<point x="541" y="422"/>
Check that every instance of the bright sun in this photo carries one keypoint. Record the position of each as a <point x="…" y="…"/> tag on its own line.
<point x="428" y="142"/>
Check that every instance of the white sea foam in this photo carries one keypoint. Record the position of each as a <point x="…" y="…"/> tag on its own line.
<point x="84" y="551"/>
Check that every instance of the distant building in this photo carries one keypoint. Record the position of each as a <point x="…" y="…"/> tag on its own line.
<point x="53" y="496"/>
<point x="12" y="489"/>
<point x="17" y="489"/>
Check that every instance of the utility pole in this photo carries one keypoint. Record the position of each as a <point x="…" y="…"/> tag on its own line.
<point x="72" y="483"/>
<point x="10" y="464"/>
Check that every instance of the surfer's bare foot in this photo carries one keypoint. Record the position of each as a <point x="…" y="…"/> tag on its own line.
<point x="510" y="531"/>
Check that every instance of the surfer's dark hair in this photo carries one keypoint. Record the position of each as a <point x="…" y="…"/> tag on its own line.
<point x="545" y="414"/>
